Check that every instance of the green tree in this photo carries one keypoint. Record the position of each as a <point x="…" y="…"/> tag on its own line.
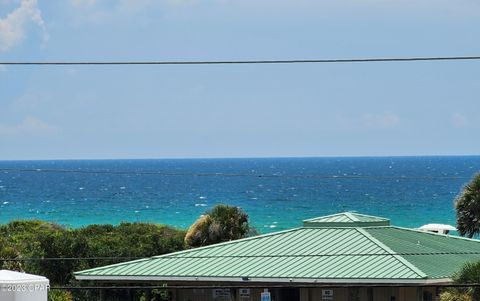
<point x="222" y="223"/>
<point x="8" y="256"/>
<point x="25" y="246"/>
<point x="467" y="207"/>
<point x="469" y="273"/>
<point x="65" y="243"/>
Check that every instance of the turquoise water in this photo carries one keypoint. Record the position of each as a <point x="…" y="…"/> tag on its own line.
<point x="277" y="193"/>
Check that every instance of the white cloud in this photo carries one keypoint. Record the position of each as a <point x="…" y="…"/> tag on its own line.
<point x="383" y="120"/>
<point x="30" y="126"/>
<point x="459" y="120"/>
<point x="13" y="27"/>
<point x="100" y="12"/>
<point x="104" y="12"/>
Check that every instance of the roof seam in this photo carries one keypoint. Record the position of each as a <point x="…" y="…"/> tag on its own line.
<point x="394" y="254"/>
<point x="227" y="243"/>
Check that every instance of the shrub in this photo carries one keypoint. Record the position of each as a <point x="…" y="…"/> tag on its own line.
<point x="60" y="295"/>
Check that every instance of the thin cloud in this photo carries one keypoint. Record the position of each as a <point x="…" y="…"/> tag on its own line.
<point x="366" y="122"/>
<point x="383" y="120"/>
<point x="83" y="3"/>
<point x="459" y="120"/>
<point x="100" y="12"/>
<point x="30" y="126"/>
<point x="14" y="26"/>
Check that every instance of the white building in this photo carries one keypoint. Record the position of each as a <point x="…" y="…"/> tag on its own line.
<point x="16" y="286"/>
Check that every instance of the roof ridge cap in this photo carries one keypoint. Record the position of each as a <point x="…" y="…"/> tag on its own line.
<point x="369" y="215"/>
<point x="227" y="242"/>
<point x="351" y="216"/>
<point x="185" y="251"/>
<point x="393" y="253"/>
<point x="323" y="216"/>
<point x="111" y="265"/>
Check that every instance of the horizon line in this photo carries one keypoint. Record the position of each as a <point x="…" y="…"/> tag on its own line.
<point x="242" y="157"/>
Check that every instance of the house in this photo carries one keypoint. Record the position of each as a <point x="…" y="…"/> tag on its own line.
<point x="345" y="256"/>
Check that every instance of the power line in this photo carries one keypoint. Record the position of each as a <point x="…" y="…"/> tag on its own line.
<point x="238" y="62"/>
<point x="68" y="258"/>
<point x="219" y="174"/>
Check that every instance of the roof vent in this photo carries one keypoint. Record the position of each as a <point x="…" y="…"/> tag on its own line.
<point x="346" y="219"/>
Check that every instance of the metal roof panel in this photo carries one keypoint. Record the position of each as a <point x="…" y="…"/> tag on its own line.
<point x="370" y="253"/>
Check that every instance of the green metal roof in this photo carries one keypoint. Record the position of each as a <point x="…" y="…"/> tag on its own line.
<point x="382" y="254"/>
<point x="346" y="219"/>
<point x="437" y="255"/>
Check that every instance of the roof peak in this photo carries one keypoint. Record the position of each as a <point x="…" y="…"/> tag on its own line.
<point x="346" y="219"/>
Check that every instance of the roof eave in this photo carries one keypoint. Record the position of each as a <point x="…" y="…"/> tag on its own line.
<point x="251" y="280"/>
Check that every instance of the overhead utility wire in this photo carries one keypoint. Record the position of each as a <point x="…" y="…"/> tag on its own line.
<point x="234" y="256"/>
<point x="232" y="62"/>
<point x="68" y="258"/>
<point x="160" y="173"/>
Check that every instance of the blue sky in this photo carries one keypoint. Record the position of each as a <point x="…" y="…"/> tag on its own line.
<point x="82" y="112"/>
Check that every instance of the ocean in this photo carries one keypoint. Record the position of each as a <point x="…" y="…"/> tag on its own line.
<point x="276" y="193"/>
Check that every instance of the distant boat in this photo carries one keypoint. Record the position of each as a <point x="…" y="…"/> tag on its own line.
<point x="437" y="228"/>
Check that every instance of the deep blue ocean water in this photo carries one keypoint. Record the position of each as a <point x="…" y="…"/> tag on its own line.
<point x="277" y="193"/>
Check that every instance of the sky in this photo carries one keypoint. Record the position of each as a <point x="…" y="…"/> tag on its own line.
<point x="361" y="109"/>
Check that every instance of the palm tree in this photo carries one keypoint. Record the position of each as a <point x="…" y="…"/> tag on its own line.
<point x="222" y="223"/>
<point x="467" y="206"/>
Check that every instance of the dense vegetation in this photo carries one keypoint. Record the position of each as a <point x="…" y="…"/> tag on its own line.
<point x="56" y="252"/>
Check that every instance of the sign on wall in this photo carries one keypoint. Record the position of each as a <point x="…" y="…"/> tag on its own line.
<point x="327" y="294"/>
<point x="221" y="293"/>
<point x="244" y="293"/>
